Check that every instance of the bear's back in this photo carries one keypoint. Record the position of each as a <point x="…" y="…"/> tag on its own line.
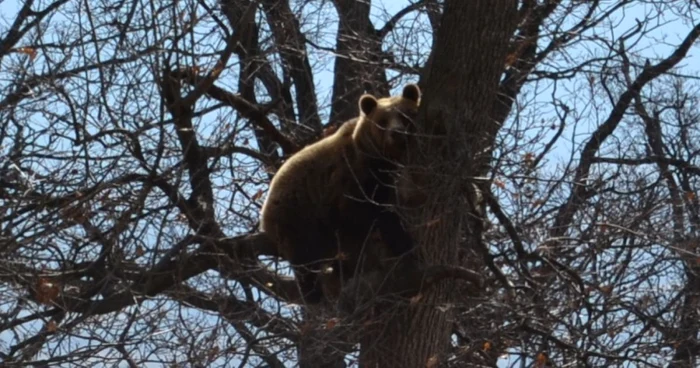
<point x="311" y="182"/>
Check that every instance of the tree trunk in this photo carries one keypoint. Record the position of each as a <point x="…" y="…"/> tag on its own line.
<point x="686" y="335"/>
<point x="359" y="70"/>
<point x="460" y="90"/>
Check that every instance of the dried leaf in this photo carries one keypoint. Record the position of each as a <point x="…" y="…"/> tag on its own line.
<point x="432" y="362"/>
<point x="606" y="290"/>
<point x="432" y="223"/>
<point x="305" y="328"/>
<point x="591" y="80"/>
<point x="51" y="326"/>
<point x="487" y="346"/>
<point x="46" y="290"/>
<point x="29" y="51"/>
<point x="218" y="68"/>
<point x="499" y="184"/>
<point x="213" y="352"/>
<point x="511" y="59"/>
<point x="541" y="360"/>
<point x="258" y="195"/>
<point x="332" y="323"/>
<point x="76" y="212"/>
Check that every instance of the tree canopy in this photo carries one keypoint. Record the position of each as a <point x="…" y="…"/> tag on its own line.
<point x="138" y="139"/>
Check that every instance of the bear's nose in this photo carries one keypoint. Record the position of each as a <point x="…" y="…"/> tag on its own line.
<point x="395" y="124"/>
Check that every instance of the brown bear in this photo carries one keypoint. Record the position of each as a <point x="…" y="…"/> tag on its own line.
<point x="325" y="200"/>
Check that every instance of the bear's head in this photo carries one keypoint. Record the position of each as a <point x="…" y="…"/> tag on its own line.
<point x="385" y="124"/>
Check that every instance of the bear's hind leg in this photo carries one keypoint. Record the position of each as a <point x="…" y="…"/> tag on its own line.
<point x="309" y="284"/>
<point x="312" y="250"/>
<point x="395" y="236"/>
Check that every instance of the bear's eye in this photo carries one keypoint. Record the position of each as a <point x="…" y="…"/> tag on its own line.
<point x="407" y="119"/>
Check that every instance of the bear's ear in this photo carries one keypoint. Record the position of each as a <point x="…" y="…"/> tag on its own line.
<point x="411" y="92"/>
<point x="367" y="104"/>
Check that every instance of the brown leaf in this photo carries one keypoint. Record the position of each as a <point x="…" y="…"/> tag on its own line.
<point x="258" y="195"/>
<point x="606" y="290"/>
<point x="305" y="328"/>
<point x="332" y="323"/>
<point x="511" y="59"/>
<point x="528" y="158"/>
<point x="218" y="68"/>
<point x="29" y="51"/>
<point x="213" y="352"/>
<point x="432" y="223"/>
<point x="432" y="362"/>
<point x="541" y="360"/>
<point x="46" y="290"/>
<point x="75" y="213"/>
<point x="51" y="326"/>
<point x="591" y="80"/>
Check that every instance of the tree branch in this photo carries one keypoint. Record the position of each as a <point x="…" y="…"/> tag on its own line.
<point x="292" y="48"/>
<point x="247" y="109"/>
<point x="357" y="67"/>
<point x="575" y="199"/>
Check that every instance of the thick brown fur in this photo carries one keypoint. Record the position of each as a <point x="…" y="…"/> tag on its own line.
<point x="325" y="200"/>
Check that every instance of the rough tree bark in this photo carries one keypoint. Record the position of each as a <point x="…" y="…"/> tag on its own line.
<point x="356" y="40"/>
<point x="459" y="92"/>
